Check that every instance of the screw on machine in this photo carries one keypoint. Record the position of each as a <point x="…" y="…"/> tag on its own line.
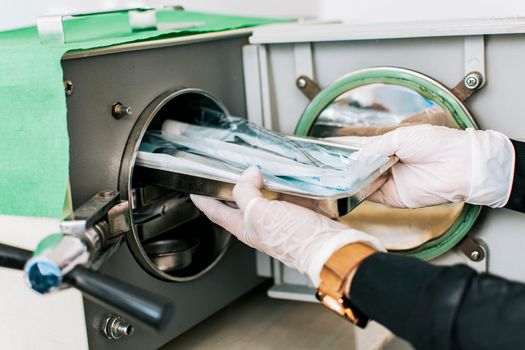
<point x="118" y="110"/>
<point x="473" y="80"/>
<point x="115" y="327"/>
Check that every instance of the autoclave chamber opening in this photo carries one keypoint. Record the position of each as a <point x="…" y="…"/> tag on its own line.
<point x="170" y="237"/>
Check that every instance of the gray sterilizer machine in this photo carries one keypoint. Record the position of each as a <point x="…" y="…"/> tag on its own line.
<point x="179" y="254"/>
<point x="176" y="268"/>
<point x="324" y="80"/>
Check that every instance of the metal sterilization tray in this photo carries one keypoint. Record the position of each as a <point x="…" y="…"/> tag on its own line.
<point x="333" y="206"/>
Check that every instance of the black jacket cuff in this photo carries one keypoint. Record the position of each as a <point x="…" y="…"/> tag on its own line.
<point x="517" y="195"/>
<point x="407" y="296"/>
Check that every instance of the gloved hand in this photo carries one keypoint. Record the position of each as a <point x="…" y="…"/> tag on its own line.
<point x="439" y="165"/>
<point x="297" y="236"/>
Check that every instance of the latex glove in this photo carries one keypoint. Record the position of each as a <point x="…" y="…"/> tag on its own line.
<point x="297" y="236"/>
<point x="439" y="165"/>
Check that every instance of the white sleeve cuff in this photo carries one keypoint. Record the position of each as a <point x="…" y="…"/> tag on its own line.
<point x="328" y="247"/>
<point x="492" y="168"/>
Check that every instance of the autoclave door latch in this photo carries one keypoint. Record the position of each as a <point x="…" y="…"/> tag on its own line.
<point x="87" y="238"/>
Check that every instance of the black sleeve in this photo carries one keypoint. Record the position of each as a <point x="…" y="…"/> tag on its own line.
<point x="436" y="307"/>
<point x="517" y="196"/>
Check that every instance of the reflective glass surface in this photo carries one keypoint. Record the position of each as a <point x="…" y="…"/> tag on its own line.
<point x="376" y="109"/>
<point x="372" y="110"/>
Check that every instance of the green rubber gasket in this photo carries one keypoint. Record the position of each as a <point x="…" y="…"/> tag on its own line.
<point x="426" y="87"/>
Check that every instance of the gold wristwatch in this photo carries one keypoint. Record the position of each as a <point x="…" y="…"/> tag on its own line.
<point x="334" y="278"/>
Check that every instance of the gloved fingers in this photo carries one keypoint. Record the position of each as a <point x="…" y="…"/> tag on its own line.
<point x="387" y="144"/>
<point x="387" y="194"/>
<point x="248" y="187"/>
<point x="402" y="141"/>
<point x="227" y="217"/>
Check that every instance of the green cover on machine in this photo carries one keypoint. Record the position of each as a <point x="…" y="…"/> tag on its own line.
<point x="34" y="143"/>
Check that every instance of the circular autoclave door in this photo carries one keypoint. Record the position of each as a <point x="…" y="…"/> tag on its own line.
<point x="372" y="102"/>
<point x="170" y="238"/>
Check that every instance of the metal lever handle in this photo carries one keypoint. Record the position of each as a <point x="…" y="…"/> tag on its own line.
<point x="13" y="258"/>
<point x="110" y="292"/>
<point x="143" y="305"/>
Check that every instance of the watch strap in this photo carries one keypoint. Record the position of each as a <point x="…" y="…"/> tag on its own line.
<point x="334" y="276"/>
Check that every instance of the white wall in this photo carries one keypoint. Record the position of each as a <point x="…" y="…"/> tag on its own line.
<point x="17" y="13"/>
<point x="414" y="10"/>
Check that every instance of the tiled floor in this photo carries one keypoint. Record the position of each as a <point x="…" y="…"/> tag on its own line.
<point x="258" y="322"/>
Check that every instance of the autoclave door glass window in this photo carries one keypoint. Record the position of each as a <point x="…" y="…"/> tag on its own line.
<point x="374" y="101"/>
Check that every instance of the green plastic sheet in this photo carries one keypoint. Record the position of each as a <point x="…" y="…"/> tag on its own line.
<point x="34" y="144"/>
